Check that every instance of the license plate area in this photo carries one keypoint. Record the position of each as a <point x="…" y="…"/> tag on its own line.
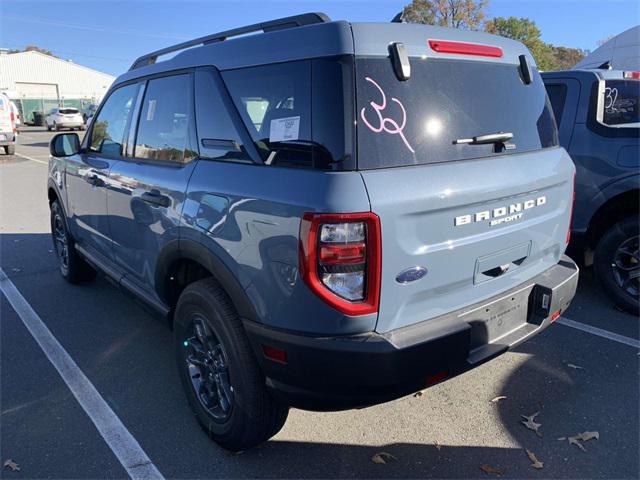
<point x="499" y="318"/>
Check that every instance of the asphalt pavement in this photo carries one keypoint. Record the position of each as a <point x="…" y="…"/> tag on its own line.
<point x="578" y="381"/>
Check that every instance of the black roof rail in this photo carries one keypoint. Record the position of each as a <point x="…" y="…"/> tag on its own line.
<point x="279" y="24"/>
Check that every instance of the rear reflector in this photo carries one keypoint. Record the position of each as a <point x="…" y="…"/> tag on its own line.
<point x="555" y="315"/>
<point x="463" y="48"/>
<point x="341" y="253"/>
<point x="436" y="377"/>
<point x="276" y="354"/>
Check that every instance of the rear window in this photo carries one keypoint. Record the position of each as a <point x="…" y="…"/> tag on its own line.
<point x="299" y="114"/>
<point x="416" y="121"/>
<point x="621" y="102"/>
<point x="68" y="111"/>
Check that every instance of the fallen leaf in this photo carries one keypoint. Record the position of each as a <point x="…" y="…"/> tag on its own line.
<point x="383" y="457"/>
<point x="576" y="367"/>
<point x="537" y="464"/>
<point x="562" y="439"/>
<point x="530" y="424"/>
<point x="12" y="465"/>
<point x="583" y="437"/>
<point x="16" y="270"/>
<point x="418" y="394"/>
<point x="488" y="469"/>
<point x="497" y="399"/>
<point x="438" y="446"/>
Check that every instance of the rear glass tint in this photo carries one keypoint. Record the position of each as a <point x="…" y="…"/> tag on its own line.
<point x="621" y="102"/>
<point x="416" y="121"/>
<point x="299" y="114"/>
<point x="68" y="111"/>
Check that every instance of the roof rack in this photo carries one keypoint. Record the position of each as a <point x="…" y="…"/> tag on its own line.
<point x="279" y="24"/>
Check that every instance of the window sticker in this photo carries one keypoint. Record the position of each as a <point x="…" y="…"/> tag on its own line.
<point x="284" y="129"/>
<point x="151" y="111"/>
<point x="387" y="125"/>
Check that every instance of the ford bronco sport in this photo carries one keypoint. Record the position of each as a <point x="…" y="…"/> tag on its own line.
<point x="598" y="117"/>
<point x="330" y="215"/>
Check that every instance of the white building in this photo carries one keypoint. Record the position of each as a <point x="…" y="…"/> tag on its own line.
<point x="39" y="82"/>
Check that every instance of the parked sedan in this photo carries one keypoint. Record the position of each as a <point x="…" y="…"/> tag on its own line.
<point x="59" y="118"/>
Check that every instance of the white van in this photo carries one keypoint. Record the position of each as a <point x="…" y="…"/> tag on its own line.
<point x="7" y="125"/>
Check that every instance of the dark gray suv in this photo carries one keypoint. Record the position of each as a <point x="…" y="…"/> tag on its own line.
<point x="598" y="116"/>
<point x="330" y="215"/>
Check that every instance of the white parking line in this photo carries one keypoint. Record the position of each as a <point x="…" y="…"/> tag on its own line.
<point x="632" y="342"/>
<point x="44" y="162"/>
<point x="125" y="447"/>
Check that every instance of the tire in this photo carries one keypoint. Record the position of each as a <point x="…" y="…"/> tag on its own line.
<point x="74" y="269"/>
<point x="616" y="262"/>
<point x="205" y="317"/>
<point x="56" y="127"/>
<point x="10" y="149"/>
<point x="48" y="127"/>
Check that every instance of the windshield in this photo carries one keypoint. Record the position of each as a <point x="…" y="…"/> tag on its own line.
<point x="419" y="120"/>
<point x="621" y="102"/>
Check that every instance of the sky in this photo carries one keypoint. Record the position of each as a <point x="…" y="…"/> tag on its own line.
<point x="109" y="35"/>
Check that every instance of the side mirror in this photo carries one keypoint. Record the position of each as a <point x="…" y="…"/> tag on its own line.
<point x="64" y="145"/>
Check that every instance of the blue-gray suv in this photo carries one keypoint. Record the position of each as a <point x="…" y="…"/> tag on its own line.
<point x="330" y="215"/>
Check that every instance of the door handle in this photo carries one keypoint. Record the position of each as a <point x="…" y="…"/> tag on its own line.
<point x="154" y="197"/>
<point x="95" y="180"/>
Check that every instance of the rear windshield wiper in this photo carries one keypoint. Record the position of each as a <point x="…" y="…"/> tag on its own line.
<point x="500" y="137"/>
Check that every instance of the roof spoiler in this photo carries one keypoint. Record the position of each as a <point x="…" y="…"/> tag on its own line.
<point x="272" y="25"/>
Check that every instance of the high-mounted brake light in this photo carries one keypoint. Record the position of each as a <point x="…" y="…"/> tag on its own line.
<point x="463" y="48"/>
<point x="340" y="259"/>
<point x="633" y="75"/>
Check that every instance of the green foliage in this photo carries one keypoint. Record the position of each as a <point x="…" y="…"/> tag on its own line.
<point x="548" y="57"/>
<point x="467" y="14"/>
<point x="34" y="48"/>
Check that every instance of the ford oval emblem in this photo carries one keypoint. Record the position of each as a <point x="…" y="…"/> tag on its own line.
<point x="411" y="275"/>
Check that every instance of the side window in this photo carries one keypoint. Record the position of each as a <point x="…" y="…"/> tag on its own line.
<point x="109" y="126"/>
<point x="165" y="117"/>
<point x="217" y="134"/>
<point x="558" y="96"/>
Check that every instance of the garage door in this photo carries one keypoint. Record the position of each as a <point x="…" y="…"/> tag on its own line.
<point x="37" y="90"/>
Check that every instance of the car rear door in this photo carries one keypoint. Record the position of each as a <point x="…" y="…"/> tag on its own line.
<point x="87" y="173"/>
<point x="147" y="188"/>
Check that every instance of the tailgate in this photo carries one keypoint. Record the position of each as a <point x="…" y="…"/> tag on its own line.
<point x="479" y="227"/>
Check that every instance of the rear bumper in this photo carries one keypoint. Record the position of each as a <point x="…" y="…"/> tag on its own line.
<point x="68" y="124"/>
<point x="9" y="138"/>
<point x="336" y="373"/>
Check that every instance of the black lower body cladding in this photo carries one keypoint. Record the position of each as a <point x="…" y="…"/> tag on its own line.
<point x="336" y="373"/>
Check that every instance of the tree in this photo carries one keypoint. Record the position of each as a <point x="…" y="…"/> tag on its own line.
<point x="34" y="48"/>
<point x="527" y="32"/>
<point x="565" y="57"/>
<point x="467" y="14"/>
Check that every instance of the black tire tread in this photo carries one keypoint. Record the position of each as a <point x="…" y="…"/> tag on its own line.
<point x="602" y="261"/>
<point x="267" y="416"/>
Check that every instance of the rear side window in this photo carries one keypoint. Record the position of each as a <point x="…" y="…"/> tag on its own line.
<point x="107" y="133"/>
<point x="557" y="96"/>
<point x="165" y="119"/>
<point x="621" y="102"/>
<point x="417" y="121"/>
<point x="217" y="133"/>
<point x="299" y="114"/>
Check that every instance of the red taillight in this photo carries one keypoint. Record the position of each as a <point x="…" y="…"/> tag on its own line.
<point x="340" y="259"/>
<point x="13" y="122"/>
<point x="633" y="75"/>
<point x="573" y="200"/>
<point x="343" y="254"/>
<point x="463" y="48"/>
<point x="555" y="315"/>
